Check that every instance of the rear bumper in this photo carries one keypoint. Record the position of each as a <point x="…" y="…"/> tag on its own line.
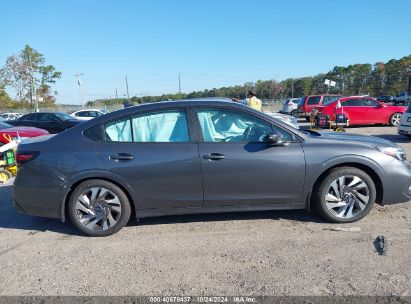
<point x="38" y="196"/>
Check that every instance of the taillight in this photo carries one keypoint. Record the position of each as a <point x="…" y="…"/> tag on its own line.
<point x="23" y="157"/>
<point x="289" y="102"/>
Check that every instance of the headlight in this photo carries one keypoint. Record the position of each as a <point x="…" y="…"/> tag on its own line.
<point x="397" y="153"/>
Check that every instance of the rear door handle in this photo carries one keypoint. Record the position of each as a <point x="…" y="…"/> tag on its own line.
<point x="121" y="157"/>
<point x="214" y="156"/>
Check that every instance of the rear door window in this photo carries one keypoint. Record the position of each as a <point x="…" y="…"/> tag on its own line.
<point x="314" y="100"/>
<point x="369" y="103"/>
<point x="83" y="114"/>
<point x="165" y="126"/>
<point x="352" y="103"/>
<point x="119" y="131"/>
<point x="31" y="116"/>
<point x="169" y="126"/>
<point x="46" y="117"/>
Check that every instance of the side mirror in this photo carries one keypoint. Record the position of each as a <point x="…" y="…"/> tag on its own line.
<point x="380" y="105"/>
<point x="274" y="138"/>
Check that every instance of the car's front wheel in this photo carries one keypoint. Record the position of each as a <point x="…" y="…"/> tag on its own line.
<point x="345" y="195"/>
<point x="395" y="119"/>
<point x="99" y="208"/>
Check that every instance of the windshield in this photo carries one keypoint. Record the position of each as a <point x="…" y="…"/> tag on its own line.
<point x="4" y="125"/>
<point x="64" y="116"/>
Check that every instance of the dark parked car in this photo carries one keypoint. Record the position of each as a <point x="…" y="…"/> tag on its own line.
<point x="385" y="98"/>
<point x="202" y="156"/>
<point x="52" y="122"/>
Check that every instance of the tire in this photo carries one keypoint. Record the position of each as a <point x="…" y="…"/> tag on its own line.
<point x="4" y="176"/>
<point x="395" y="119"/>
<point x="294" y="113"/>
<point x="330" y="205"/>
<point x="98" y="208"/>
<point x="308" y="118"/>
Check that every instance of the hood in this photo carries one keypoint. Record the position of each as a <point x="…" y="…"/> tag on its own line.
<point x="364" y="139"/>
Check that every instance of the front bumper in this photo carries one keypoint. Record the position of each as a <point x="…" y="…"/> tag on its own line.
<point x="404" y="130"/>
<point x="396" y="182"/>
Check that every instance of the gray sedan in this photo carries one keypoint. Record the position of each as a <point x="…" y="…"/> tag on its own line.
<point x="202" y="156"/>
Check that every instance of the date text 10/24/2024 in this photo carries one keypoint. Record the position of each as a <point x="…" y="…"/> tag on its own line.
<point x="202" y="299"/>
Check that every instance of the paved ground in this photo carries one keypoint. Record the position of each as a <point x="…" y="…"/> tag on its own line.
<point x="270" y="253"/>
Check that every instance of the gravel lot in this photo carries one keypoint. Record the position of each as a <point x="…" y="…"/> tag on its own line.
<point x="260" y="253"/>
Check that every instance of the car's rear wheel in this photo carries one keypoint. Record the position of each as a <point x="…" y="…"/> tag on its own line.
<point x="99" y="208"/>
<point x="345" y="195"/>
<point x="294" y="113"/>
<point x="395" y="119"/>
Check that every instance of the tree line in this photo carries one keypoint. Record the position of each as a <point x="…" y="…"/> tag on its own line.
<point x="377" y="79"/>
<point x="30" y="77"/>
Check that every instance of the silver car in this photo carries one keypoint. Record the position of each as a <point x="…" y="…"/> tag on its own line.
<point x="290" y="106"/>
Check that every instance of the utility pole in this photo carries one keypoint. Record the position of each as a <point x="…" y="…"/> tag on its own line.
<point x="128" y="95"/>
<point x="179" y="82"/>
<point x="80" y="90"/>
<point x="116" y="94"/>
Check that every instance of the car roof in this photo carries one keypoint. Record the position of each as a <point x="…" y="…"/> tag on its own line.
<point x="82" y="110"/>
<point x="210" y="101"/>
<point x="213" y="101"/>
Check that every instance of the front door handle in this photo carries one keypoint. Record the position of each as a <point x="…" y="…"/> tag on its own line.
<point x="214" y="156"/>
<point x="121" y="157"/>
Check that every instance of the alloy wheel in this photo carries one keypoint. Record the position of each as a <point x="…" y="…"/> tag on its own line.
<point x="98" y="208"/>
<point x="347" y="196"/>
<point x="395" y="120"/>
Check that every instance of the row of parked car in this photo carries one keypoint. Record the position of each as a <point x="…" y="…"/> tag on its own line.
<point x="42" y="123"/>
<point x="359" y="110"/>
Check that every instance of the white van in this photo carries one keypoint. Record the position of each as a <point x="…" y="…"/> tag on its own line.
<point x="404" y="127"/>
